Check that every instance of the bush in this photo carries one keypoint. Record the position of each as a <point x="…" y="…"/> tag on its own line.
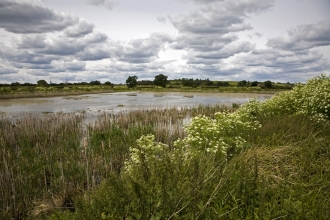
<point x="312" y="99"/>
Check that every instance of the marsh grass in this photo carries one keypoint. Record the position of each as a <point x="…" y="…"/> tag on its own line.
<point x="56" y="165"/>
<point x="47" y="159"/>
<point x="284" y="174"/>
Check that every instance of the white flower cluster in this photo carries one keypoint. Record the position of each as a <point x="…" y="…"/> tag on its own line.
<point x="220" y="135"/>
<point x="147" y="151"/>
<point x="312" y="99"/>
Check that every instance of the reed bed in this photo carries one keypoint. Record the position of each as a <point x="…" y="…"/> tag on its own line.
<point x="49" y="159"/>
<point x="66" y="162"/>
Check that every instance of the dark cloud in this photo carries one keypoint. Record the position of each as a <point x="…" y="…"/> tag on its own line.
<point x="69" y="66"/>
<point x="92" y="53"/>
<point x="24" y="56"/>
<point x="303" y="37"/>
<point x="5" y="70"/>
<point x="19" y="16"/>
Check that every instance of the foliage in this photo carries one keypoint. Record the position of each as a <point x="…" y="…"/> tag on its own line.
<point x="268" y="84"/>
<point x="131" y="81"/>
<point x="223" y="84"/>
<point x="161" y="80"/>
<point x="242" y="83"/>
<point x="311" y="99"/>
<point x="108" y="83"/>
<point x="95" y="82"/>
<point x="224" y="134"/>
<point x="42" y="82"/>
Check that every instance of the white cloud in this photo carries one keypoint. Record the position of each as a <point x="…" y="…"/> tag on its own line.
<point x="305" y="36"/>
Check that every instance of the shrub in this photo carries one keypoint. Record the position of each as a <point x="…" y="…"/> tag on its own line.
<point x="312" y="99"/>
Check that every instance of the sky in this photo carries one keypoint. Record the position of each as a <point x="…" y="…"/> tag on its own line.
<point x="109" y="40"/>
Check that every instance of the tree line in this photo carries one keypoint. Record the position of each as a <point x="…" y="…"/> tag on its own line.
<point x="160" y="80"/>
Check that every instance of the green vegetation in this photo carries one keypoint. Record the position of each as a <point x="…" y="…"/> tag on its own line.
<point x="264" y="160"/>
<point x="160" y="83"/>
<point x="131" y="81"/>
<point x="161" y="80"/>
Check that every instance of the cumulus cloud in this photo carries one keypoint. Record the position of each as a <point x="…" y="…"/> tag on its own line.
<point x="142" y="50"/>
<point x="32" y="41"/>
<point x="79" y="30"/>
<point x="32" y="17"/>
<point x="110" y="4"/>
<point x="303" y="37"/>
<point x="23" y="56"/>
<point x="92" y="53"/>
<point x="71" y="66"/>
<point x="224" y="52"/>
<point x="64" y="46"/>
<point x="209" y="34"/>
<point x="270" y="63"/>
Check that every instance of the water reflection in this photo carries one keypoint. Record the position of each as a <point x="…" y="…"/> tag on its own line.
<point x="115" y="102"/>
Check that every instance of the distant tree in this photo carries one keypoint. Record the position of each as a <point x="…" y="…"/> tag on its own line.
<point x="108" y="83"/>
<point x="131" y="81"/>
<point x="42" y="82"/>
<point x="225" y="84"/>
<point x="27" y="84"/>
<point x="15" y="84"/>
<point x="242" y="83"/>
<point x="187" y="82"/>
<point x="268" y="84"/>
<point x="161" y="80"/>
<point x="145" y="82"/>
<point x="95" y="82"/>
<point x="219" y="83"/>
<point x="254" y="83"/>
<point x="208" y="82"/>
<point x="197" y="82"/>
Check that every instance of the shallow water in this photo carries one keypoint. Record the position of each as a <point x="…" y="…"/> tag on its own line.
<point x="124" y="101"/>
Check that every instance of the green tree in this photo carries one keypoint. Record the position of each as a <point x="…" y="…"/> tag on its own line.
<point x="42" y="82"/>
<point x="254" y="83"/>
<point x="161" y="80"/>
<point x="242" y="83"/>
<point x="95" y="82"/>
<point x="268" y="84"/>
<point x="208" y="82"/>
<point x="108" y="83"/>
<point x="187" y="82"/>
<point x="131" y="81"/>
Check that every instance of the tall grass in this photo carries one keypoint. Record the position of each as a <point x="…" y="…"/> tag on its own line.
<point x="46" y="160"/>
<point x="285" y="175"/>
<point x="144" y="165"/>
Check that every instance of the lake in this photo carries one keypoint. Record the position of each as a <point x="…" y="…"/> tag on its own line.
<point x="115" y="102"/>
